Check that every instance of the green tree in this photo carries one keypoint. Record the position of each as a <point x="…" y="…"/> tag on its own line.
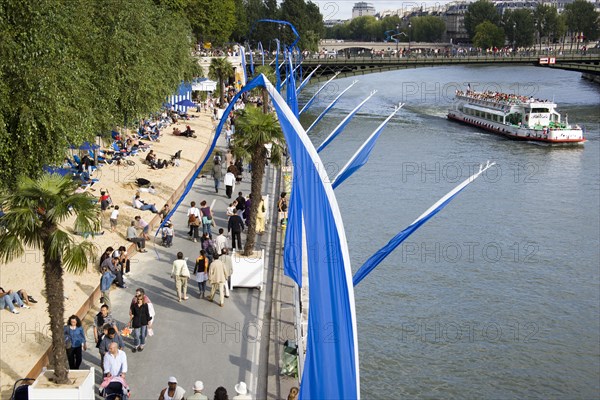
<point x="35" y="212"/>
<point x="427" y="29"/>
<point x="581" y="16"/>
<point x="78" y="67"/>
<point x="269" y="73"/>
<point x="254" y="130"/>
<point x="478" y="12"/>
<point x="221" y="70"/>
<point x="46" y="98"/>
<point x="546" y="21"/>
<point x="519" y="27"/>
<point x="211" y="21"/>
<point x="488" y="35"/>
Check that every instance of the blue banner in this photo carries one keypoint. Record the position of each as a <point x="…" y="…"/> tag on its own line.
<point x="243" y="56"/>
<point x="329" y="107"/>
<point x="312" y="99"/>
<point x="382" y="253"/>
<point x="361" y="156"/>
<point x="338" y="129"/>
<point x="292" y="254"/>
<point x="306" y="80"/>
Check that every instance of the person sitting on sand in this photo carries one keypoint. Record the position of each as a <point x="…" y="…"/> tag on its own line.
<point x="141" y="205"/>
<point x="7" y="298"/>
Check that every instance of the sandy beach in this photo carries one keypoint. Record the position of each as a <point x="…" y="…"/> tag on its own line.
<point x="25" y="336"/>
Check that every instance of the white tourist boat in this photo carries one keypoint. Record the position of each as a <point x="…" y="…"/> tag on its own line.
<point x="517" y="117"/>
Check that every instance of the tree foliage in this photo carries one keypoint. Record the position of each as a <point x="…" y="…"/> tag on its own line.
<point x="35" y="212"/>
<point x="221" y="70"/>
<point x="366" y="29"/>
<point x="519" y="27"/>
<point x="427" y="29"/>
<point x="478" y="12"/>
<point x="488" y="35"/>
<point x="78" y="67"/>
<point x="581" y="16"/>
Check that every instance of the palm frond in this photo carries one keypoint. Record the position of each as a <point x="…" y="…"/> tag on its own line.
<point x="58" y="242"/>
<point x="77" y="256"/>
<point x="10" y="247"/>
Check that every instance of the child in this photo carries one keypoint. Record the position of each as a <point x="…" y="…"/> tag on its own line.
<point x="167" y="234"/>
<point x="113" y="219"/>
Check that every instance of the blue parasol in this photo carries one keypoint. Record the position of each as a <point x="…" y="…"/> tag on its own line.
<point x="186" y="103"/>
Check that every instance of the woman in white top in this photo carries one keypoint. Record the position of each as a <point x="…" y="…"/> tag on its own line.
<point x="193" y="210"/>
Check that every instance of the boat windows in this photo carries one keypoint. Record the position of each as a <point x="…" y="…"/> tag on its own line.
<point x="539" y="110"/>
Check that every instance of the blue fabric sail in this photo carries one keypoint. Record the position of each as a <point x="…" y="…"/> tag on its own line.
<point x="361" y="156"/>
<point x="277" y="72"/>
<point x="312" y="99"/>
<point x="251" y="62"/>
<point x="382" y="253"/>
<point x="243" y="57"/>
<point x="329" y="107"/>
<point x="262" y="53"/>
<point x="292" y="255"/>
<point x="307" y="79"/>
<point x="292" y="99"/>
<point x="338" y="129"/>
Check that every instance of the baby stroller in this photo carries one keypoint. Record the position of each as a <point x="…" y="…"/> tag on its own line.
<point x="116" y="389"/>
<point x="21" y="389"/>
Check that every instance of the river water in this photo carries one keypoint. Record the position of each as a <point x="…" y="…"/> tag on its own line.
<point x="498" y="295"/>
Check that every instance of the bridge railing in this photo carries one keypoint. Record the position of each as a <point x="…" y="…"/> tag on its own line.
<point x="532" y="56"/>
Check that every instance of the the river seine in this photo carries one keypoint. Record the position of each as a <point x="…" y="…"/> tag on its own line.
<point x="498" y="295"/>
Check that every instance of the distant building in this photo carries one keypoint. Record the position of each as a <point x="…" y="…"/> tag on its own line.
<point x="362" y="9"/>
<point x="504" y="5"/>
<point x="330" y="23"/>
<point x="454" y="17"/>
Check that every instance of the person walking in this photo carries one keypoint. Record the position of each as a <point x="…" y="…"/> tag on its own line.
<point x="228" y="261"/>
<point x="207" y="218"/>
<point x="201" y="272"/>
<point x="235" y="226"/>
<point x="198" y="388"/>
<point x="139" y="318"/>
<point x="110" y="336"/>
<point x="242" y="392"/>
<point x="229" y="181"/>
<point x="181" y="274"/>
<point x="217" y="174"/>
<point x="75" y="341"/>
<point x="193" y="215"/>
<point x="106" y="281"/>
<point x="221" y="241"/>
<point x="260" y="217"/>
<point x="217" y="275"/>
<point x="172" y="391"/>
<point x="221" y="394"/>
<point x="115" y="362"/>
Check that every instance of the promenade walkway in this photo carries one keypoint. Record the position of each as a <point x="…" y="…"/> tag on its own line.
<point x="196" y="339"/>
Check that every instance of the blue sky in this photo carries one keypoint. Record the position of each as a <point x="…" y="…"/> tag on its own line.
<point x="342" y="9"/>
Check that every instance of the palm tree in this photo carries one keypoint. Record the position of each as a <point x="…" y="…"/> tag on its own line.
<point x="254" y="130"/>
<point x="34" y="214"/>
<point x="269" y="73"/>
<point x="220" y="69"/>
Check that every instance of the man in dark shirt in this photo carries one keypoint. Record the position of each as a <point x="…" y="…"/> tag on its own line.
<point x="241" y="202"/>
<point x="235" y="226"/>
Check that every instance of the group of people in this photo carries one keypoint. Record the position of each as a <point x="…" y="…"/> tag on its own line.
<point x="214" y="266"/>
<point x="175" y="392"/>
<point x="10" y="298"/>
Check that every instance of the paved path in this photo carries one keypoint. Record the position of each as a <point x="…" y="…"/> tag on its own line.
<point x="195" y="339"/>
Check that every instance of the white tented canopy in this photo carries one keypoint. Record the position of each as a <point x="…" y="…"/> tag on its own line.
<point x="204" y="85"/>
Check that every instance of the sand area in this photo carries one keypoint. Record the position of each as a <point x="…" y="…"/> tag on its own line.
<point x="25" y="336"/>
